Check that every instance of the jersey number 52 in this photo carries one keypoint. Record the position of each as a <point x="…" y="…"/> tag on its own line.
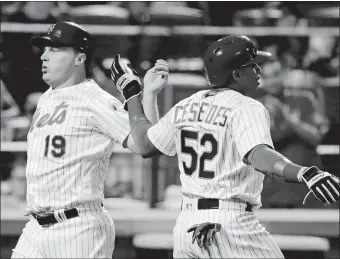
<point x="195" y="159"/>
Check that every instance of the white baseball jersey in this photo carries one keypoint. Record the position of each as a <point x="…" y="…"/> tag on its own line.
<point x="211" y="132"/>
<point x="70" y="141"/>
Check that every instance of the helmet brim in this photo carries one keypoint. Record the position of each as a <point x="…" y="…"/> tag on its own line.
<point x="44" y="41"/>
<point x="261" y="57"/>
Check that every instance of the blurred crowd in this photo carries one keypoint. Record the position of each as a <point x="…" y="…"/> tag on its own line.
<point x="303" y="114"/>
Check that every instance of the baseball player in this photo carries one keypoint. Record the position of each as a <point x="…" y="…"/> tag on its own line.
<point x="221" y="137"/>
<point x="73" y="132"/>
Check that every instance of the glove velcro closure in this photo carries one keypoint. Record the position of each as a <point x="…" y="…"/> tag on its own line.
<point x="132" y="89"/>
<point x="310" y="173"/>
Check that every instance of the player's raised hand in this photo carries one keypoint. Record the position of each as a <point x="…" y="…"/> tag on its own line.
<point x="324" y="186"/>
<point x="156" y="77"/>
<point x="125" y="79"/>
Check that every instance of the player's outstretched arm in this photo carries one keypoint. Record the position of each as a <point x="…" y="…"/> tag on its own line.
<point x="127" y="82"/>
<point x="323" y="185"/>
<point x="155" y="80"/>
<point x="139" y="129"/>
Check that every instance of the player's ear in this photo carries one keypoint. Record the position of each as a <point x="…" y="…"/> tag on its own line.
<point x="81" y="57"/>
<point x="236" y="75"/>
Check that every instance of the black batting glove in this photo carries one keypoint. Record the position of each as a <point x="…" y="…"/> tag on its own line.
<point x="204" y="233"/>
<point x="323" y="185"/>
<point x="125" y="79"/>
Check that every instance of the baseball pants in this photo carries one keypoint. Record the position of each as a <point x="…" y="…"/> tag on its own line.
<point x="90" y="235"/>
<point x="241" y="235"/>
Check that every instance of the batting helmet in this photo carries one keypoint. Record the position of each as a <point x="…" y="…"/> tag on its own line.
<point x="229" y="53"/>
<point x="66" y="34"/>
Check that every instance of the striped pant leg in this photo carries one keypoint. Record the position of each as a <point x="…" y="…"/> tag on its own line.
<point x="252" y="237"/>
<point x="180" y="240"/>
<point x="223" y="243"/>
<point x="90" y="236"/>
<point x="29" y="245"/>
<point x="241" y="236"/>
<point x="183" y="247"/>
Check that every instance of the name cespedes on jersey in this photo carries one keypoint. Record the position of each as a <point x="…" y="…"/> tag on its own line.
<point x="207" y="113"/>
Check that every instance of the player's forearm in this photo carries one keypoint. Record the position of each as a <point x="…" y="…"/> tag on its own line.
<point x="274" y="164"/>
<point x="139" y="127"/>
<point x="150" y="107"/>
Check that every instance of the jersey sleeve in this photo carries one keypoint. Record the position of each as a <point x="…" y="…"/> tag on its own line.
<point x="162" y="134"/>
<point x="250" y="126"/>
<point x="111" y="118"/>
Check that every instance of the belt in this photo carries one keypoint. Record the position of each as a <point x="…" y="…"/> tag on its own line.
<point x="208" y="204"/>
<point x="52" y="219"/>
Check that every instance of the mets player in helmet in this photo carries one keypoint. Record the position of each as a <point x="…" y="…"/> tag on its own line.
<point x="221" y="137"/>
<point x="73" y="132"/>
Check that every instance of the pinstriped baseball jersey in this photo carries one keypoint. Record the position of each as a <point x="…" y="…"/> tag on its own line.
<point x="211" y="132"/>
<point x="70" y="141"/>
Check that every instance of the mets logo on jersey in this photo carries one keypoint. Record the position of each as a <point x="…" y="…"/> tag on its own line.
<point x="58" y="116"/>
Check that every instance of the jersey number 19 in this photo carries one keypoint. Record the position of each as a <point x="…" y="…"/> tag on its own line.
<point x="58" y="146"/>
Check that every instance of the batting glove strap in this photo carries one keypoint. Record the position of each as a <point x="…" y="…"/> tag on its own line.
<point x="129" y="86"/>
<point x="133" y="89"/>
<point x="323" y="185"/>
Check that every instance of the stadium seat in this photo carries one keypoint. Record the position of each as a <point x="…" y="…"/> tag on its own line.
<point x="99" y="14"/>
<point x="326" y="16"/>
<point x="268" y="15"/>
<point x="172" y="14"/>
<point x="160" y="245"/>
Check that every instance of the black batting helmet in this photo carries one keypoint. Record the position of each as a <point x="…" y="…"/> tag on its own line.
<point x="229" y="53"/>
<point x="68" y="34"/>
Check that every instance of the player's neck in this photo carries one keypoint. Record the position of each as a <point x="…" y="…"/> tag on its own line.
<point x="75" y="79"/>
<point x="236" y="88"/>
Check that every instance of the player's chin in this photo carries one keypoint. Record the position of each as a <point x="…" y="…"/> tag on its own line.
<point x="46" y="77"/>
